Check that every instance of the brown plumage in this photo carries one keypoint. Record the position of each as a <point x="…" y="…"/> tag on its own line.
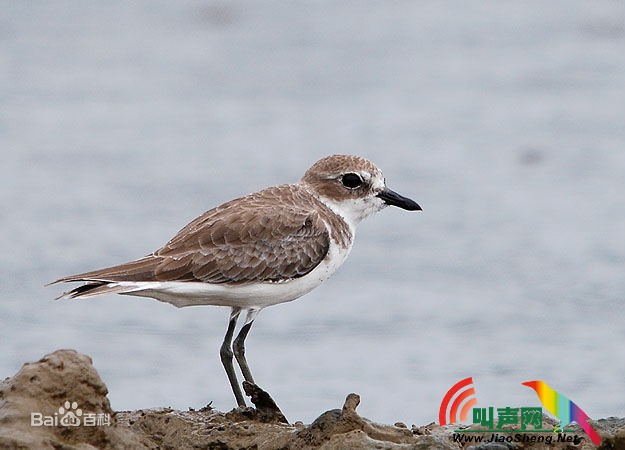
<point x="273" y="235"/>
<point x="266" y="248"/>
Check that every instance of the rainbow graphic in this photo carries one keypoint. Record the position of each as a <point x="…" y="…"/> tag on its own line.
<point x="564" y="409"/>
<point x="466" y="396"/>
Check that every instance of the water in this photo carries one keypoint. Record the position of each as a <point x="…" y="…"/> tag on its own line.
<point x="122" y="121"/>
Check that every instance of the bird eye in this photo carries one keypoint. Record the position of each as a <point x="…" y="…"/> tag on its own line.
<point x="351" y="180"/>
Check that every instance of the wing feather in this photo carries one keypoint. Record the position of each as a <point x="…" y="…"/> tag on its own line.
<point x="261" y="237"/>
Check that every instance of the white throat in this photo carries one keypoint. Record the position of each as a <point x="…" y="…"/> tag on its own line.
<point x="353" y="211"/>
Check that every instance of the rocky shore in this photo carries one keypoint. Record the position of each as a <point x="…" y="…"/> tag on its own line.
<point x="60" y="402"/>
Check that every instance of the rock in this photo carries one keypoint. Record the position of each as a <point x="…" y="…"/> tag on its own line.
<point x="64" y="387"/>
<point x="265" y="409"/>
<point x="42" y="388"/>
<point x="345" y="422"/>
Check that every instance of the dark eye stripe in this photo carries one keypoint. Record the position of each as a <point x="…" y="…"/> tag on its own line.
<point x="351" y="180"/>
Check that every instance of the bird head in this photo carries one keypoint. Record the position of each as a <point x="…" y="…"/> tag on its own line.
<point x="353" y="187"/>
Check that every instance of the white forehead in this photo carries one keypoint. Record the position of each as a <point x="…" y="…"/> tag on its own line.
<point x="375" y="179"/>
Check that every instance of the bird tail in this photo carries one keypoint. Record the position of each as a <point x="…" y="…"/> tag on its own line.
<point x="111" y="280"/>
<point x="93" y="288"/>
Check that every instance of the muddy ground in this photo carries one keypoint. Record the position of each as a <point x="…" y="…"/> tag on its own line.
<point x="88" y="422"/>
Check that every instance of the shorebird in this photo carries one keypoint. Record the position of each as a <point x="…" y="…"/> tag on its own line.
<point x="269" y="247"/>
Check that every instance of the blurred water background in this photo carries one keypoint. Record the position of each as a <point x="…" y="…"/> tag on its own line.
<point x="122" y="121"/>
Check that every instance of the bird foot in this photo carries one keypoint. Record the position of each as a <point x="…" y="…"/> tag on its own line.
<point x="266" y="409"/>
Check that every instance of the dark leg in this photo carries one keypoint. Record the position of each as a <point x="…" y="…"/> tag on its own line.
<point x="239" y="345"/>
<point x="266" y="408"/>
<point x="226" y="357"/>
<point x="239" y="352"/>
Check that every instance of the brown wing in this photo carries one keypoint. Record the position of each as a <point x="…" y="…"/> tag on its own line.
<point x="254" y="238"/>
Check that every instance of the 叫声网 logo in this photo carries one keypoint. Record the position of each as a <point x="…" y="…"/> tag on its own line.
<point x="461" y="396"/>
<point x="69" y="415"/>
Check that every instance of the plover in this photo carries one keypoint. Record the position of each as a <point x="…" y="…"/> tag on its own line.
<point x="269" y="247"/>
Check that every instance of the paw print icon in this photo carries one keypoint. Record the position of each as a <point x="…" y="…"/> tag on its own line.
<point x="70" y="414"/>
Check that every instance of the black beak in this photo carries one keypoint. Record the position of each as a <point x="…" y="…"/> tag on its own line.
<point x="394" y="199"/>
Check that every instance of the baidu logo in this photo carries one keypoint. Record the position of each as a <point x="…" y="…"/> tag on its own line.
<point x="69" y="415"/>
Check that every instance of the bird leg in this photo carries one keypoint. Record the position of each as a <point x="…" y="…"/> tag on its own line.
<point x="266" y="408"/>
<point x="226" y="356"/>
<point x="239" y="345"/>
